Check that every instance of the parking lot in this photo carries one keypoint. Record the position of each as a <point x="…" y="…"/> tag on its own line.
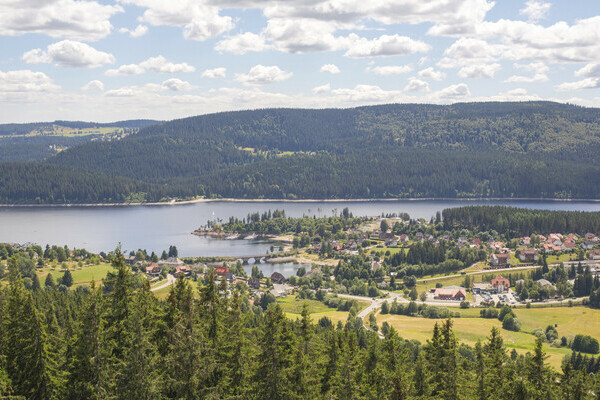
<point x="507" y="298"/>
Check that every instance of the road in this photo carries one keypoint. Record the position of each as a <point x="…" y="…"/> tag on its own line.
<point x="170" y="280"/>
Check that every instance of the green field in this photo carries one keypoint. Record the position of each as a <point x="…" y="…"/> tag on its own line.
<point x="469" y="328"/>
<point x="292" y="307"/>
<point x="81" y="276"/>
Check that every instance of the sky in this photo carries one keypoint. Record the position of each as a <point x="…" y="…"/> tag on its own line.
<point x="164" y="59"/>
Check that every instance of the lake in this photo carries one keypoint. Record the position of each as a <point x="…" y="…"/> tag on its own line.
<point x="156" y="227"/>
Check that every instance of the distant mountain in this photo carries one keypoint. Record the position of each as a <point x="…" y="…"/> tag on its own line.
<point x="40" y="140"/>
<point x="531" y="149"/>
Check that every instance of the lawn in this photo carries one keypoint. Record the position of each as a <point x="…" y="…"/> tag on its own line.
<point x="469" y="328"/>
<point x="292" y="307"/>
<point x="81" y="276"/>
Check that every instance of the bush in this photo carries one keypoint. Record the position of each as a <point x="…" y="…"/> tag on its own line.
<point x="539" y="332"/>
<point x="511" y="323"/>
<point x="585" y="344"/>
<point x="489" y="312"/>
<point x="465" y="304"/>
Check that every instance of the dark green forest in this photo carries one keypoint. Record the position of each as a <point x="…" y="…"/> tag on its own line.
<point x="118" y="341"/>
<point x="531" y="149"/>
<point x="514" y="222"/>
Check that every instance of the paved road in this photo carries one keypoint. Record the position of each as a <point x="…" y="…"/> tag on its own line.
<point x="170" y="280"/>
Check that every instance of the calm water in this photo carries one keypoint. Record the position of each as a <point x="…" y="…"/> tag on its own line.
<point x="156" y="227"/>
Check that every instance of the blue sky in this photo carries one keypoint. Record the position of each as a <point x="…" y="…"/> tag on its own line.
<point x="165" y="59"/>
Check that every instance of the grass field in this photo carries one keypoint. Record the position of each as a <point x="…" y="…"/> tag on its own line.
<point x="292" y="307"/>
<point x="81" y="276"/>
<point x="469" y="328"/>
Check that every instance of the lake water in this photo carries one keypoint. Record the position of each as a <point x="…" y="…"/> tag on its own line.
<point x="156" y="227"/>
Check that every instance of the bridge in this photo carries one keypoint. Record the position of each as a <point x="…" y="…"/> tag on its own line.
<point x="257" y="259"/>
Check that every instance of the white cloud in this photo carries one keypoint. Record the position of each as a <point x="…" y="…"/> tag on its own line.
<point x="25" y="81"/>
<point x="70" y="19"/>
<point x="590" y="70"/>
<point x="588" y="83"/>
<point x="322" y="89"/>
<point x="262" y="75"/>
<point x="367" y="93"/>
<point x="214" y="73"/>
<point x="538" y="69"/>
<point x="479" y="71"/>
<point x="242" y="43"/>
<point x="386" y="45"/>
<point x="69" y="53"/>
<point x="127" y="69"/>
<point x="431" y="73"/>
<point x="302" y="35"/>
<point x="94" y="85"/>
<point x="176" y="85"/>
<point x="154" y="64"/>
<point x="199" y="19"/>
<point x="331" y="68"/>
<point x="535" y="10"/>
<point x="390" y="70"/>
<point x="416" y="85"/>
<point x="454" y="91"/>
<point x="139" y="31"/>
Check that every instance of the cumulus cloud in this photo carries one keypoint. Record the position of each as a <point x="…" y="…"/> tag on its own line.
<point x="538" y="69"/>
<point x="535" y="10"/>
<point x="70" y="19"/>
<point x="93" y="86"/>
<point x="588" y="83"/>
<point x="322" y="89"/>
<point x="389" y="70"/>
<point x="176" y="85"/>
<point x="454" y="91"/>
<point x="154" y="64"/>
<point x="386" y="45"/>
<point x="242" y="43"/>
<point x="139" y="31"/>
<point x="214" y="73"/>
<point x="69" y="53"/>
<point x="263" y="75"/>
<point x="367" y="93"/>
<point x="416" y="85"/>
<point x="431" y="73"/>
<point x="199" y="19"/>
<point x="590" y="70"/>
<point x="479" y="71"/>
<point x="330" y="68"/>
<point x="26" y="81"/>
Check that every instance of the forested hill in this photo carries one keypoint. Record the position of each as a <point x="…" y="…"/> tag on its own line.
<point x="28" y="128"/>
<point x="532" y="149"/>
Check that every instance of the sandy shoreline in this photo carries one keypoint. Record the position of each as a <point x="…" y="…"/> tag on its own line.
<point x="233" y="200"/>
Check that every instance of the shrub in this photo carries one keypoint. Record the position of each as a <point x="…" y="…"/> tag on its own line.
<point x="511" y="323"/>
<point x="465" y="304"/>
<point x="585" y="344"/>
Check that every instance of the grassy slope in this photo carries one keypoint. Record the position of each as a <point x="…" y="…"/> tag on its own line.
<point x="470" y="328"/>
<point x="82" y="276"/>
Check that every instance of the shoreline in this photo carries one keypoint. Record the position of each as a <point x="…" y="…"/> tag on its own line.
<point x="234" y="200"/>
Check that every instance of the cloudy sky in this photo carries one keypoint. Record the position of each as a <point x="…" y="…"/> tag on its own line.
<point x="163" y="59"/>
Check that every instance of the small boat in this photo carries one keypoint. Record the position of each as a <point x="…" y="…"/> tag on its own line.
<point x="250" y="237"/>
<point x="232" y="237"/>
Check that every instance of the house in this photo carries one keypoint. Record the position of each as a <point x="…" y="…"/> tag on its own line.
<point x="525" y="241"/>
<point x="278" y="278"/>
<point x="230" y="277"/>
<point x="391" y="242"/>
<point x="568" y="245"/>
<point x="314" y="271"/>
<point x="404" y="238"/>
<point x="587" y="244"/>
<point x="386" y="235"/>
<point x="222" y="270"/>
<point x="337" y="247"/>
<point x="375" y="265"/>
<point x="170" y="262"/>
<point x="419" y="236"/>
<point x="529" y="255"/>
<point x="129" y="260"/>
<point x="182" y="270"/>
<point x="501" y="284"/>
<point x="551" y="248"/>
<point x="476" y="242"/>
<point x="544" y="282"/>
<point x="153" y="270"/>
<point x="254" y="283"/>
<point x="462" y="241"/>
<point x="500" y="260"/>
<point x="450" y="293"/>
<point x="481" y="287"/>
<point x="280" y="290"/>
<point x="595" y="254"/>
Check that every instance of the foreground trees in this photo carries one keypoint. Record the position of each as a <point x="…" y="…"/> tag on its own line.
<point x="119" y="342"/>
